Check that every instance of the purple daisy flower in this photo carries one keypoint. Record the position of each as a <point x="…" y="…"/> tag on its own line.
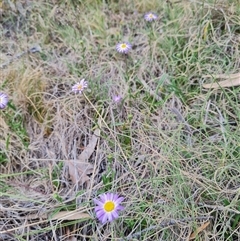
<point x="3" y="100"/>
<point x="124" y="47"/>
<point x="108" y="207"/>
<point x="150" y="17"/>
<point x="117" y="98"/>
<point x="80" y="86"/>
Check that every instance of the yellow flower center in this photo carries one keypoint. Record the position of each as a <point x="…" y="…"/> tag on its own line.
<point x="80" y="87"/>
<point x="123" y="46"/>
<point x="109" y="206"/>
<point x="150" y="15"/>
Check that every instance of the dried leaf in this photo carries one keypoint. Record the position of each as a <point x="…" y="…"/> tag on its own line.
<point x="206" y="30"/>
<point x="67" y="215"/>
<point x="199" y="230"/>
<point x="222" y="84"/>
<point x="79" y="169"/>
<point x="232" y="80"/>
<point x="63" y="215"/>
<point x="223" y="76"/>
<point x="41" y="22"/>
<point x="88" y="151"/>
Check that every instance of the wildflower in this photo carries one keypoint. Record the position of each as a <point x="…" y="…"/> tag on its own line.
<point x="124" y="47"/>
<point x="80" y="86"/>
<point x="117" y="98"/>
<point x="150" y="17"/>
<point x="108" y="207"/>
<point x="3" y="100"/>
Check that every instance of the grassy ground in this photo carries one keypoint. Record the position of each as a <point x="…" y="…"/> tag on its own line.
<point x="170" y="146"/>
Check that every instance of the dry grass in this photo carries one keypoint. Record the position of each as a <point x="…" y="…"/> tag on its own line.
<point x="171" y="148"/>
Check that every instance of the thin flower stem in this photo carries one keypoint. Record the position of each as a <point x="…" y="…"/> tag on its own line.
<point x="112" y="134"/>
